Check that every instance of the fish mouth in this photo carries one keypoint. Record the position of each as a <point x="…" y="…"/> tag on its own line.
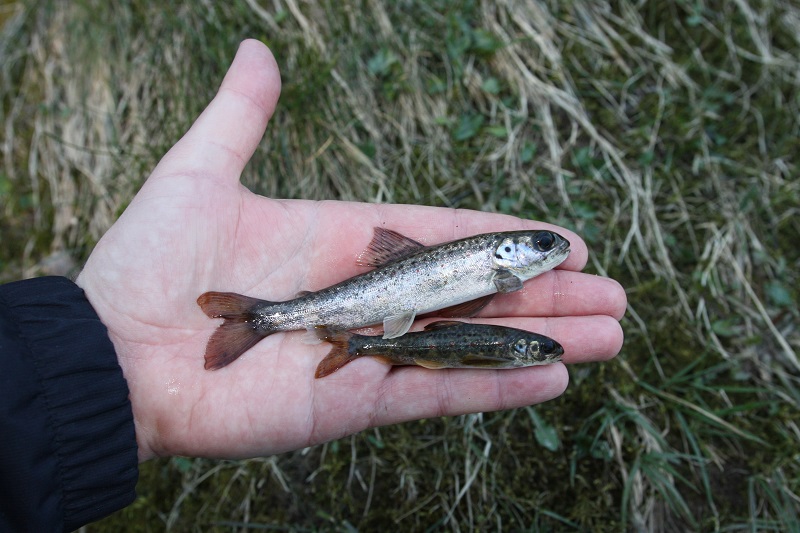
<point x="559" y="253"/>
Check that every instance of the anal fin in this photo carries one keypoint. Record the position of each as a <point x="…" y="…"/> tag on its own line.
<point x="427" y="363"/>
<point x="469" y="308"/>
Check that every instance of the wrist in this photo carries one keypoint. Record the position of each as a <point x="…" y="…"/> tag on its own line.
<point x="67" y="402"/>
<point x="126" y="359"/>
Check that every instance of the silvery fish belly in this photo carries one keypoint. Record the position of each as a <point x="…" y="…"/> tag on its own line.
<point x="409" y="279"/>
<point x="443" y="344"/>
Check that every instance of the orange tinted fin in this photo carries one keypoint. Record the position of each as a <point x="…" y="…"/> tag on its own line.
<point x="339" y="355"/>
<point x="387" y="246"/>
<point x="226" y="304"/>
<point x="430" y="364"/>
<point x="467" y="308"/>
<point x="237" y="333"/>
<point x="384" y="359"/>
<point x="230" y="341"/>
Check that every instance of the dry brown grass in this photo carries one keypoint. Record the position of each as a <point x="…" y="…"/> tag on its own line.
<point x="665" y="132"/>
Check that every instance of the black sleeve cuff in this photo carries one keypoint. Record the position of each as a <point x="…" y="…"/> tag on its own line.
<point x="68" y="452"/>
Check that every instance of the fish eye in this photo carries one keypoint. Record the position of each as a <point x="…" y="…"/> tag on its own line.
<point x="547" y="346"/>
<point x="545" y="241"/>
<point x="520" y="346"/>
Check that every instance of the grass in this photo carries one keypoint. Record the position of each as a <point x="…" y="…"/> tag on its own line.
<point x="665" y="132"/>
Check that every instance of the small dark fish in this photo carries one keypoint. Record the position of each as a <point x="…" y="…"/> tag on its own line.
<point x="459" y="277"/>
<point x="443" y="344"/>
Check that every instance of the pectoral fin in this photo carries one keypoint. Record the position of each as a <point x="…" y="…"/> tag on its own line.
<point x="505" y="281"/>
<point x="398" y="325"/>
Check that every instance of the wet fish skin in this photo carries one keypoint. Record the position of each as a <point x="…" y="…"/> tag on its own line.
<point x="443" y="344"/>
<point x="409" y="279"/>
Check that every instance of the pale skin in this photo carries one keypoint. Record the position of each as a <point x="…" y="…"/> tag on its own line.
<point x="193" y="227"/>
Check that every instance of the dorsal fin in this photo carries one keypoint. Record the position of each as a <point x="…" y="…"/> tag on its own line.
<point x="443" y="324"/>
<point x="387" y="246"/>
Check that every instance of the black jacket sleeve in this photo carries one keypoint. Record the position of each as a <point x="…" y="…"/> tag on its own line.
<point x="68" y="452"/>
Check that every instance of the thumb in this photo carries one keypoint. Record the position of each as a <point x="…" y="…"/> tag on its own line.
<point x="221" y="141"/>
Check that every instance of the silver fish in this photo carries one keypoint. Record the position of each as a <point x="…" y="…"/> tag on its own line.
<point x="443" y="344"/>
<point x="409" y="279"/>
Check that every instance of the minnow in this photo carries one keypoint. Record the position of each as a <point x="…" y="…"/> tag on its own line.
<point x="459" y="277"/>
<point x="443" y="344"/>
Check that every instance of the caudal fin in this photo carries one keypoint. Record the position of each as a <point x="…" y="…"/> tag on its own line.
<point x="339" y="355"/>
<point x="237" y="333"/>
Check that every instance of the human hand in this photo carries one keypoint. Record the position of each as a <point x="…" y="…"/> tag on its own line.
<point x="193" y="227"/>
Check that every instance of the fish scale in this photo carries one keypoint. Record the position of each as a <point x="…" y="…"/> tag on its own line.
<point x="409" y="279"/>
<point x="443" y="344"/>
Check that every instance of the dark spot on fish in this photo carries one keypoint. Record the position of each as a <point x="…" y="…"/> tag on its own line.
<point x="498" y="256"/>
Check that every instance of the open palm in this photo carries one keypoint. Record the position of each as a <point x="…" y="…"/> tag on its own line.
<point x="193" y="227"/>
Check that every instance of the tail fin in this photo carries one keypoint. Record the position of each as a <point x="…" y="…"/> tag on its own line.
<point x="237" y="333"/>
<point x="340" y="353"/>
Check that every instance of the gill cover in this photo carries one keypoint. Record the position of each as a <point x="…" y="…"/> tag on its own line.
<point x="521" y="251"/>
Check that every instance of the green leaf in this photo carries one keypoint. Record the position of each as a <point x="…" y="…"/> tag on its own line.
<point x="528" y="152"/>
<point x="497" y="131"/>
<point x="436" y="85"/>
<point x="468" y="127"/>
<point x="183" y="464"/>
<point x="281" y="15"/>
<point x="778" y="294"/>
<point x="485" y="42"/>
<point x="491" y="85"/>
<point x="546" y="435"/>
<point x="368" y="148"/>
<point x="381" y="63"/>
<point x="724" y="327"/>
<point x="506" y="205"/>
<point x="378" y="443"/>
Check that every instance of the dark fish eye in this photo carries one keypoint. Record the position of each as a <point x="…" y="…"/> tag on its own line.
<point x="547" y="346"/>
<point x="508" y="249"/>
<point x="545" y="241"/>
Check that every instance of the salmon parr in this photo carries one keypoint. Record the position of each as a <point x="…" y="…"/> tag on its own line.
<point x="409" y="279"/>
<point x="443" y="344"/>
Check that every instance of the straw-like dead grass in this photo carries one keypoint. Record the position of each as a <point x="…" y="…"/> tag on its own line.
<point x="665" y="132"/>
